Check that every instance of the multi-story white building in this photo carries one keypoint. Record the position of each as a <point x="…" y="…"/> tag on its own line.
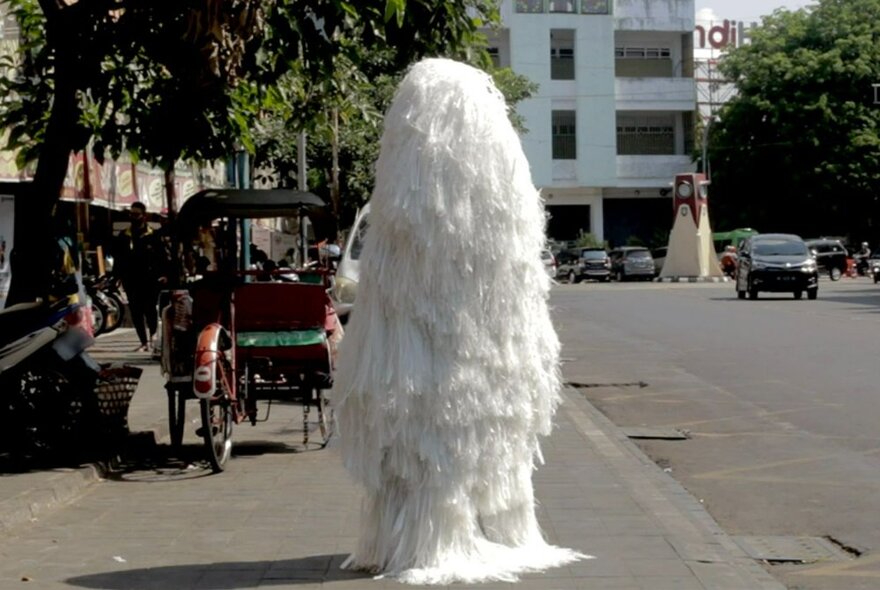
<point x="613" y="119"/>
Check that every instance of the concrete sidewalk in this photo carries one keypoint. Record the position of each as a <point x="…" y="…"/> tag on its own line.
<point x="285" y="518"/>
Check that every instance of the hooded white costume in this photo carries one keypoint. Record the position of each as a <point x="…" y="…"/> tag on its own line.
<point x="449" y="369"/>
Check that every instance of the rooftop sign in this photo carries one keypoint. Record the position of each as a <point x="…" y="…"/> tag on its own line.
<point x="729" y="33"/>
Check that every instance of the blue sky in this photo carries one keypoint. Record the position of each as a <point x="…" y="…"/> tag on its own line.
<point x="748" y="10"/>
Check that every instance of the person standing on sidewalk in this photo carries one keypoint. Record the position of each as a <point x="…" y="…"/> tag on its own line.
<point x="141" y="262"/>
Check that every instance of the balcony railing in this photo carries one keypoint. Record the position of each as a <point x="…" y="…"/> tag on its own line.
<point x="564" y="6"/>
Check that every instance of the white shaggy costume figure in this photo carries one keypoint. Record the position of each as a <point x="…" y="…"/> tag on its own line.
<point x="449" y="369"/>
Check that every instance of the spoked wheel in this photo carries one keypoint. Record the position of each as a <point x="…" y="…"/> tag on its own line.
<point x="176" y="417"/>
<point x="120" y="307"/>
<point x="326" y="415"/>
<point x="217" y="431"/>
<point x="114" y="314"/>
<point x="326" y="418"/>
<point x="99" y="318"/>
<point x="217" y="419"/>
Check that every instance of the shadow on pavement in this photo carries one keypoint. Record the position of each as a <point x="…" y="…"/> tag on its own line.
<point x="161" y="463"/>
<point x="225" y="576"/>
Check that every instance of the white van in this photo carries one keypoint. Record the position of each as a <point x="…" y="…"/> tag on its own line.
<point x="348" y="270"/>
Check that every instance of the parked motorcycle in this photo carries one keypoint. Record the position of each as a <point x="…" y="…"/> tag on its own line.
<point x="874" y="267"/>
<point x="107" y="302"/>
<point x="728" y="261"/>
<point x="46" y="378"/>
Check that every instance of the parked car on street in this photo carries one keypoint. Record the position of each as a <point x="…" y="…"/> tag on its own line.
<point x="348" y="271"/>
<point x="830" y="255"/>
<point x="632" y="262"/>
<point x="583" y="263"/>
<point x="549" y="261"/>
<point x="659" y="256"/>
<point x="777" y="263"/>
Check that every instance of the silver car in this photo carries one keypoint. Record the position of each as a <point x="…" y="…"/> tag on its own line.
<point x="632" y="262"/>
<point x="348" y="271"/>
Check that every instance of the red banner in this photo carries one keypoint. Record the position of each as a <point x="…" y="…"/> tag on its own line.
<point x="118" y="183"/>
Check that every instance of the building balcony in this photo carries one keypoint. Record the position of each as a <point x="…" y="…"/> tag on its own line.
<point x="651" y="170"/>
<point x="655" y="94"/>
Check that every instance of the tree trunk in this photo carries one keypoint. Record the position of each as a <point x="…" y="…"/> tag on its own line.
<point x="170" y="194"/>
<point x="31" y="257"/>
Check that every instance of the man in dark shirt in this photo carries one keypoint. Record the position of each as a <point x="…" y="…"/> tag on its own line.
<point x="141" y="262"/>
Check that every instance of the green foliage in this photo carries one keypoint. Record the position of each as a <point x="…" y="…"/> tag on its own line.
<point x="187" y="79"/>
<point x="660" y="238"/>
<point x="588" y="240"/>
<point x="360" y="129"/>
<point x="515" y="88"/>
<point x="798" y="149"/>
<point x="198" y="79"/>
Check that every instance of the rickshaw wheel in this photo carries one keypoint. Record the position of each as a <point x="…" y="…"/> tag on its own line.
<point x="217" y="431"/>
<point x="326" y="418"/>
<point x="176" y="417"/>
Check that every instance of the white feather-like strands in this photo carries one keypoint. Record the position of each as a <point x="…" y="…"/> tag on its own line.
<point x="449" y="370"/>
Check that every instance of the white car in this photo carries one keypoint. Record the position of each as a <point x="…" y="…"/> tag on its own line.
<point x="549" y="263"/>
<point x="348" y="271"/>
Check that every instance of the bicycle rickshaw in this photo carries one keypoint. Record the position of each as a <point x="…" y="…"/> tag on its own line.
<point x="233" y="336"/>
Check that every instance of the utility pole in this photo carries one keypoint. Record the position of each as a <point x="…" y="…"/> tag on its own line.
<point x="707" y="168"/>
<point x="303" y="186"/>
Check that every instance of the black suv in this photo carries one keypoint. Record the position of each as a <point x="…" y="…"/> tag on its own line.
<point x="779" y="263"/>
<point x="830" y="256"/>
<point x="583" y="263"/>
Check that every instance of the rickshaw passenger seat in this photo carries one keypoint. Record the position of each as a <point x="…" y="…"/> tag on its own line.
<point x="279" y="307"/>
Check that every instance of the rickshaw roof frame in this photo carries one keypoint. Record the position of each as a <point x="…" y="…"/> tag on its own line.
<point x="208" y="205"/>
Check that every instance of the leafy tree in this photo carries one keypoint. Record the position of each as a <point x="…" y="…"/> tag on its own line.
<point x="359" y="131"/>
<point x="186" y="79"/>
<point x="589" y="240"/>
<point x="798" y="148"/>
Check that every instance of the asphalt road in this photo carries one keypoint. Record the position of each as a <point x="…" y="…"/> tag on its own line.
<point x="780" y="398"/>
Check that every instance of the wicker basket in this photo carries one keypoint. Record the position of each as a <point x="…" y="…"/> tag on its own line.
<point x="113" y="392"/>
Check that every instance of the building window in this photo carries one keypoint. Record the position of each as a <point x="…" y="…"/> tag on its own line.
<point x="642" y="52"/>
<point x="562" y="54"/>
<point x="564" y="137"/>
<point x="594" y="7"/>
<point x="645" y="135"/>
<point x="561" y="6"/>
<point x="530" y="6"/>
<point x="495" y="56"/>
<point x="564" y="6"/>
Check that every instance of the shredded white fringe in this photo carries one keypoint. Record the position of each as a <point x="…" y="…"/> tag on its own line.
<point x="449" y="371"/>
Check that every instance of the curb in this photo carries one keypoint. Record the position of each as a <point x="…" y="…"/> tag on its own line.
<point x="45" y="491"/>
<point x="714" y="558"/>
<point x="50" y="490"/>
<point x="29" y="496"/>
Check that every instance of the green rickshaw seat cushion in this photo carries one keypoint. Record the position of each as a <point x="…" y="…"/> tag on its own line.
<point x="281" y="338"/>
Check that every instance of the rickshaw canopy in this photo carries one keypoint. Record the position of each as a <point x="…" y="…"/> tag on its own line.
<point x="211" y="204"/>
